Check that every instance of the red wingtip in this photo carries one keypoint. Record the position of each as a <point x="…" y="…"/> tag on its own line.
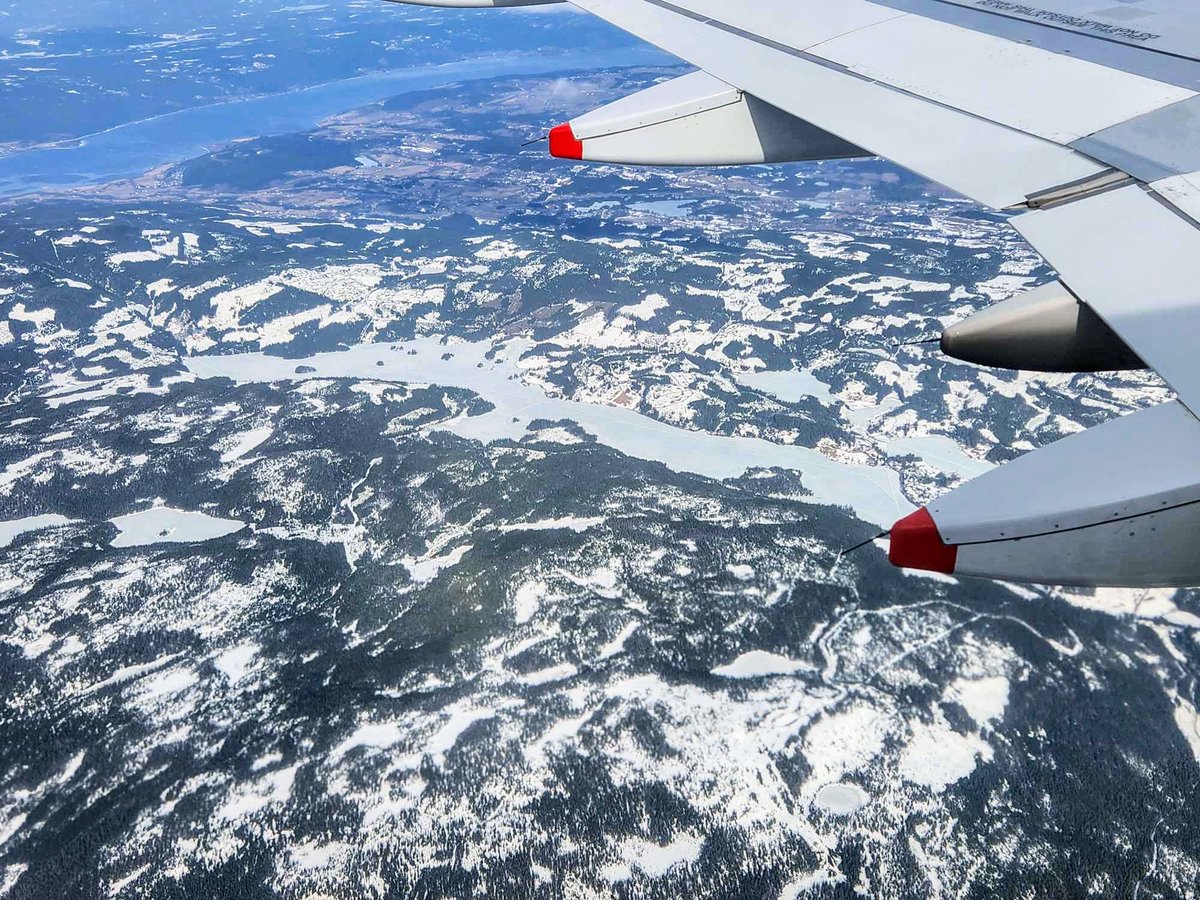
<point x="563" y="143"/>
<point x="917" y="544"/>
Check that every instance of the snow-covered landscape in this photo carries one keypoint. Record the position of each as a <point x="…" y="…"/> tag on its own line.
<point x="386" y="510"/>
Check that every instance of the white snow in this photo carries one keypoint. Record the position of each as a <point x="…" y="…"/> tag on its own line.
<point x="160" y="287"/>
<point x="444" y="739"/>
<point x="35" y="316"/>
<point x="527" y="599"/>
<point x="274" y="788"/>
<point x="791" y="387"/>
<point x="841" y="799"/>
<point x="940" y="452"/>
<point x="376" y="735"/>
<point x="308" y="855"/>
<point x="1189" y="725"/>
<point x="553" y="673"/>
<point x="740" y="571"/>
<point x="574" y="523"/>
<point x="1156" y="603"/>
<point x="844" y="741"/>
<point x="246" y="442"/>
<point x="235" y="662"/>
<point x="617" y="644"/>
<point x="656" y="860"/>
<point x="173" y="681"/>
<point x="804" y="885"/>
<point x="11" y="827"/>
<point x="129" y="673"/>
<point x="10" y="875"/>
<point x="938" y="757"/>
<point x="647" y="308"/>
<point x="615" y="872"/>
<point x="133" y="256"/>
<point x="424" y="570"/>
<point x="18" y="470"/>
<point x="116" y="887"/>
<point x="984" y="699"/>
<point x="385" y="735"/>
<point x="228" y="305"/>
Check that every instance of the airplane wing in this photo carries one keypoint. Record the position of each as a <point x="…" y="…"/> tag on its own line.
<point x="1081" y="117"/>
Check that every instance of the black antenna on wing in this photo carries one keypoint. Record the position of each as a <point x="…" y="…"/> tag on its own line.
<point x="933" y="340"/>
<point x="837" y="562"/>
<point x="538" y="140"/>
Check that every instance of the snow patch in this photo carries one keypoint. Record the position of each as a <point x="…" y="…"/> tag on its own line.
<point x="246" y="442"/>
<point x="422" y="571"/>
<point x="841" y="799"/>
<point x="938" y="757"/>
<point x="647" y="309"/>
<point x="1189" y="725"/>
<point x="235" y="662"/>
<point x="574" y="523"/>
<point x="617" y="644"/>
<point x="984" y="699"/>
<point x="553" y="673"/>
<point x="526" y="600"/>
<point x="656" y="860"/>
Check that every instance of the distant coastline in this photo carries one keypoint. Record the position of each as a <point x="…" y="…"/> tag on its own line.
<point x="139" y="146"/>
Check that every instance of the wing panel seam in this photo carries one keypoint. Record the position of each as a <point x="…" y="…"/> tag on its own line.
<point x="1115" y="520"/>
<point x="841" y="69"/>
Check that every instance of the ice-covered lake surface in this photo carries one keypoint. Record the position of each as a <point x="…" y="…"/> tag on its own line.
<point x="11" y="529"/>
<point x="161" y="524"/>
<point x="872" y="492"/>
<point x="939" y="451"/>
<point x="790" y="386"/>
<point x="841" y="799"/>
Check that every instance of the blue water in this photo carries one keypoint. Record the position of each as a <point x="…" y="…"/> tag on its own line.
<point x="137" y="147"/>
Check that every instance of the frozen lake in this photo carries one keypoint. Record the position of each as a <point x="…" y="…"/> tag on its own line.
<point x="872" y="492"/>
<point x="10" y="530"/>
<point x="162" y="524"/>
<point x="791" y="387"/>
<point x="841" y="799"/>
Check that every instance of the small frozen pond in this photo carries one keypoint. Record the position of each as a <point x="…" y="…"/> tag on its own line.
<point x="161" y="524"/>
<point x="841" y="799"/>
<point x="672" y="209"/>
<point x="790" y="387"/>
<point x="759" y="664"/>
